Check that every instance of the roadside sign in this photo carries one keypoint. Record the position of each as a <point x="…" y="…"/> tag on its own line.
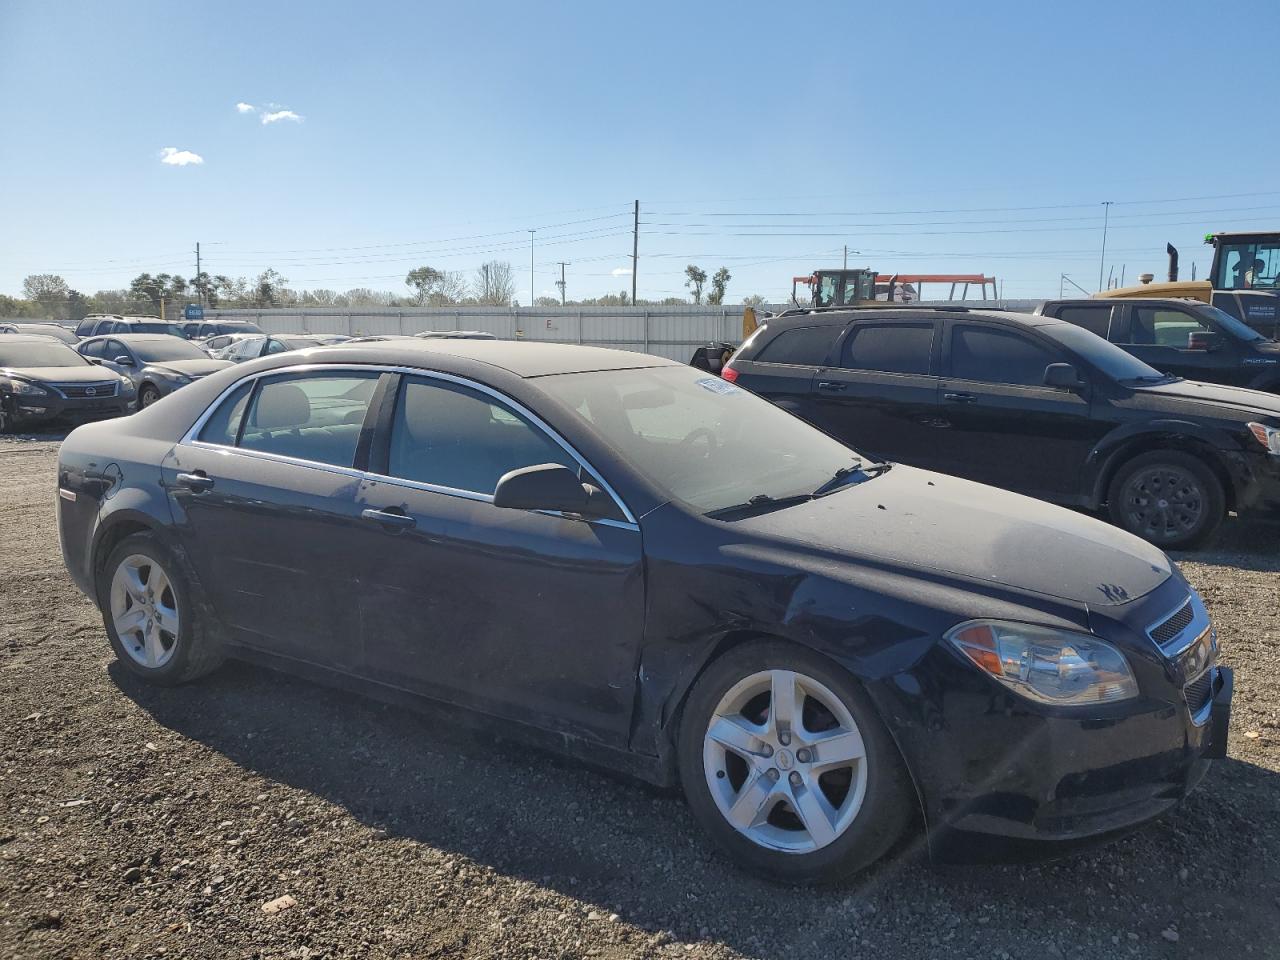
<point x="193" y="311"/>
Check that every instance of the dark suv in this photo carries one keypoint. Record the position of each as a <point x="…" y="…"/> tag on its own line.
<point x="1028" y="403"/>
<point x="1181" y="337"/>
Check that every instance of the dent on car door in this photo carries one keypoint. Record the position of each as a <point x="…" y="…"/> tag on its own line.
<point x="882" y="398"/>
<point x="1000" y="423"/>
<point x="528" y="615"/>
<point x="264" y="496"/>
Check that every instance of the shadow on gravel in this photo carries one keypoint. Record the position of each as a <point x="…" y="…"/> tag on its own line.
<point x="1244" y="544"/>
<point x="619" y="846"/>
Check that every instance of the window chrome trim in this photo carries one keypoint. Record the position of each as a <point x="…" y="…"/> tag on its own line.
<point x="190" y="437"/>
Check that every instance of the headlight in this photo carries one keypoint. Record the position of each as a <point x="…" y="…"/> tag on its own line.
<point x="25" y="389"/>
<point x="126" y="385"/>
<point x="173" y="376"/>
<point x="1269" y="437"/>
<point x="1045" y="665"/>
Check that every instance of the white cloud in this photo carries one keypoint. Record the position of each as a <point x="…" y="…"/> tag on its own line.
<point x="245" y="107"/>
<point x="179" y="158"/>
<point x="621" y="271"/>
<point x="277" y="115"/>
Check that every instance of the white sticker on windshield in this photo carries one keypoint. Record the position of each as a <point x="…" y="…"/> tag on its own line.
<point x="716" y="385"/>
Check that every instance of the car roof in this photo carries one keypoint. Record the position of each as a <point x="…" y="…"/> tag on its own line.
<point x="137" y="337"/>
<point x="843" y="315"/>
<point x="29" y="338"/>
<point x="1176" y="301"/>
<point x="522" y="358"/>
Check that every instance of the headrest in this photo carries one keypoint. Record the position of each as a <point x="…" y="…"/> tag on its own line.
<point x="281" y="405"/>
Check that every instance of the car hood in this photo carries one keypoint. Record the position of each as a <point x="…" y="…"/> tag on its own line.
<point x="91" y="373"/>
<point x="191" y="368"/>
<point x="931" y="521"/>
<point x="1237" y="398"/>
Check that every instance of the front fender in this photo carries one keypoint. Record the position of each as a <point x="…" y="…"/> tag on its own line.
<point x="1131" y="439"/>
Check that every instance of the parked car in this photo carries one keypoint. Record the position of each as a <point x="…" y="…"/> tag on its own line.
<point x="1027" y="403"/>
<point x="639" y="563"/>
<point x="61" y="334"/>
<point x="96" y="325"/>
<point x="1182" y="337"/>
<point x="250" y="348"/>
<point x="218" y="346"/>
<point x="329" y="339"/>
<point x="456" y="335"/>
<point x="204" y="329"/>
<point x="157" y="364"/>
<point x="42" y="380"/>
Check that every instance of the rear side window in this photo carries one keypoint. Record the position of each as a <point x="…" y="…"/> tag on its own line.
<point x="892" y="348"/>
<point x="313" y="417"/>
<point x="1095" y="319"/>
<point x="450" y="436"/>
<point x="801" y="346"/>
<point x="993" y="356"/>
<point x="85" y="327"/>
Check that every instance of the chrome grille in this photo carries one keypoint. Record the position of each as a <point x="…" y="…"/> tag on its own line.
<point x="1198" y="692"/>
<point x="1165" y="631"/>
<point x="87" y="391"/>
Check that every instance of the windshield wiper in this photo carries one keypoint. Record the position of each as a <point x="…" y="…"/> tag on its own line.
<point x="844" y="473"/>
<point x="1158" y="378"/>
<point x="760" y="503"/>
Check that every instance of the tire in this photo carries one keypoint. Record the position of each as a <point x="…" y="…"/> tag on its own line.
<point x="1195" y="503"/>
<point x="868" y="801"/>
<point x="165" y="657"/>
<point x="148" y="395"/>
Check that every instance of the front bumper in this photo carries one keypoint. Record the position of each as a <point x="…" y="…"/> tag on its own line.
<point x="1256" y="479"/>
<point x="25" y="409"/>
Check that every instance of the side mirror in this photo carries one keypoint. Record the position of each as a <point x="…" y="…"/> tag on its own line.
<point x="1204" y="340"/>
<point x="123" y="360"/>
<point x="1063" y="376"/>
<point x="546" y="486"/>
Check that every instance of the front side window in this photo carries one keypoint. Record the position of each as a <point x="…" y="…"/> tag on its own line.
<point x="117" y="349"/>
<point x="892" y="348"/>
<point x="993" y="356"/>
<point x="451" y="436"/>
<point x="1095" y="319"/>
<point x="1162" y="327"/>
<point x="309" y="416"/>
<point x="94" y="348"/>
<point x="803" y="346"/>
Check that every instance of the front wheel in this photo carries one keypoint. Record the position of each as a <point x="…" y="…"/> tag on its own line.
<point x="1168" y="498"/>
<point x="148" y="395"/>
<point x="150" y="620"/>
<point x="786" y="764"/>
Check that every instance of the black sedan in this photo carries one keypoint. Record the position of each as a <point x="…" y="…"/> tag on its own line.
<point x="638" y="563"/>
<point x="43" y="379"/>
<point x="1027" y="403"/>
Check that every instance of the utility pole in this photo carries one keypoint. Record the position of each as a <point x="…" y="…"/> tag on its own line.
<point x="560" y="282"/>
<point x="1061" y="279"/>
<point x="635" y="252"/>
<point x="532" y="294"/>
<point x="199" y="287"/>
<point x="1106" y="213"/>
<point x="846" y="256"/>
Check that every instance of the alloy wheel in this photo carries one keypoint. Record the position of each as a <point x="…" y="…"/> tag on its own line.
<point x="785" y="762"/>
<point x="148" y="396"/>
<point x="144" y="611"/>
<point x="1163" y="502"/>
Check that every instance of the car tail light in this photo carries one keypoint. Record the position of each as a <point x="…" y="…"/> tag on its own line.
<point x="728" y="373"/>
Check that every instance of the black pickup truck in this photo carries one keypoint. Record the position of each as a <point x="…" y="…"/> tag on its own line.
<point x="1179" y="337"/>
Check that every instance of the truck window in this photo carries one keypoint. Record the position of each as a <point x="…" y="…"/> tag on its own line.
<point x="1163" y="327"/>
<point x="1249" y="266"/>
<point x="1096" y="318"/>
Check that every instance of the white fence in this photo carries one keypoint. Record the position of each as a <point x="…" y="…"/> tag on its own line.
<point x="673" y="332"/>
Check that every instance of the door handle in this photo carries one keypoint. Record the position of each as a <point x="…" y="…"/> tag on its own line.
<point x="959" y="397"/>
<point x="393" y="521"/>
<point x="195" y="482"/>
<point x="831" y="386"/>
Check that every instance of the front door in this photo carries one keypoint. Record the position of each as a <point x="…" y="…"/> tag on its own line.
<point x="1178" y="341"/>
<point x="532" y="616"/>
<point x="1000" y="424"/>
<point x="265" y="498"/>
<point x="882" y="398"/>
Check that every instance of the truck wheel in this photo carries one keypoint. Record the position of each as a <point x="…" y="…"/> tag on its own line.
<point x="788" y="767"/>
<point x="1168" y="498"/>
<point x="146" y="608"/>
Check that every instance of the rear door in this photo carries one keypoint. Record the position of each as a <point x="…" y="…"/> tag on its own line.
<point x="783" y="367"/>
<point x="881" y="394"/>
<point x="1000" y="424"/>
<point x="264" y="494"/>
<point x="1178" y="341"/>
<point x="528" y="615"/>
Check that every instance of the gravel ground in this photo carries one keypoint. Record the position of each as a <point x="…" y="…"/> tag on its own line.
<point x="253" y="815"/>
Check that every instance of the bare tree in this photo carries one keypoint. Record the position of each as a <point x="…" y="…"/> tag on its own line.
<point x="494" y="284"/>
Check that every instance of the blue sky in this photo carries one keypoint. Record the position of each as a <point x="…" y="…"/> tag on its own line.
<point x="933" y="137"/>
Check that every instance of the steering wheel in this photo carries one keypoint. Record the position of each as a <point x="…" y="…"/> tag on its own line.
<point x="701" y="433"/>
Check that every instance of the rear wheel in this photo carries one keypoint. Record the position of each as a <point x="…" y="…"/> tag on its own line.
<point x="147" y="611"/>
<point x="1168" y="498"/>
<point x="787" y="765"/>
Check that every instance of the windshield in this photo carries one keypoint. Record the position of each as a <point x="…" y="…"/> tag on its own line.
<point x="174" y="348"/>
<point x="1104" y="355"/>
<point x="699" y="438"/>
<point x="159" y="326"/>
<point x="48" y="354"/>
<point x="1248" y="265"/>
<point x="1233" y="326"/>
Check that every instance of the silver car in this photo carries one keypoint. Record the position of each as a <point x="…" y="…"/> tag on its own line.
<point x="157" y="364"/>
